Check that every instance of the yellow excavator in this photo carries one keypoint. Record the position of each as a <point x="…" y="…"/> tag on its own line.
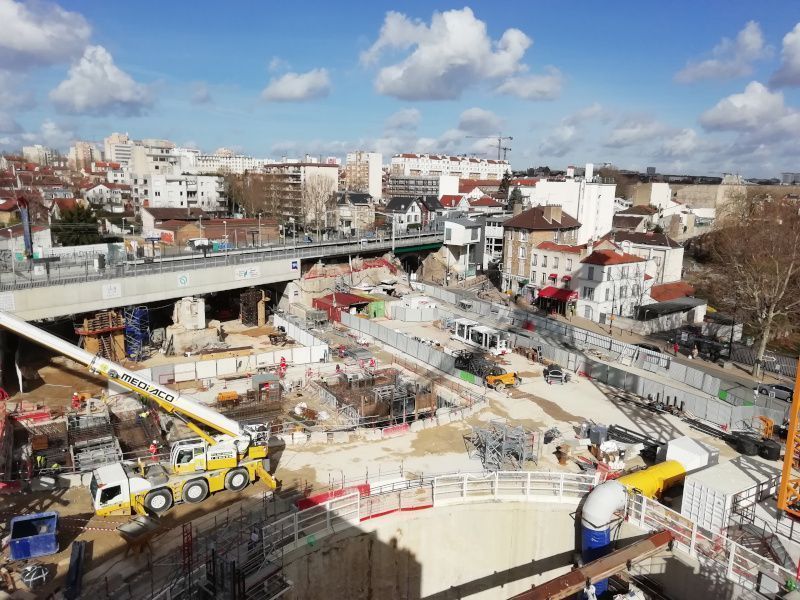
<point x="232" y="457"/>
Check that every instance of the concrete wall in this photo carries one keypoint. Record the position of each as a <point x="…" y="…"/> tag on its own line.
<point x="456" y="551"/>
<point x="41" y="303"/>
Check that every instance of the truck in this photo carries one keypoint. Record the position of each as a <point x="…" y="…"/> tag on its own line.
<point x="495" y="376"/>
<point x="231" y="457"/>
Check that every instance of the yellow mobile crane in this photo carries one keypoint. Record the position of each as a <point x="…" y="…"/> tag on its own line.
<point x="231" y="458"/>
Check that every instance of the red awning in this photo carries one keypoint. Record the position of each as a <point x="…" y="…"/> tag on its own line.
<point x="566" y="278"/>
<point x="553" y="275"/>
<point x="558" y="294"/>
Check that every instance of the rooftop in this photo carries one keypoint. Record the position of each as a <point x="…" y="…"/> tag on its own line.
<point x="648" y="238"/>
<point x="533" y="219"/>
<point x="485" y="201"/>
<point x="640" y="209"/>
<point x="450" y="200"/>
<point x="671" y="291"/>
<point x="181" y="214"/>
<point x="553" y="247"/>
<point x="610" y="257"/>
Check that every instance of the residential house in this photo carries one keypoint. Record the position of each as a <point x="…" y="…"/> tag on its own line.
<point x="478" y="188"/>
<point x="112" y="197"/>
<point x="649" y="213"/>
<point x="355" y="211"/>
<point x="8" y="211"/>
<point x="492" y="248"/>
<point x="62" y="205"/>
<point x="153" y="217"/>
<point x="462" y="242"/>
<point x="553" y="267"/>
<point x="454" y="202"/>
<point x="526" y="230"/>
<point x="611" y="282"/>
<point x="663" y="254"/>
<point x="629" y="223"/>
<point x="485" y="204"/>
<point x="405" y="211"/>
<point x="431" y="208"/>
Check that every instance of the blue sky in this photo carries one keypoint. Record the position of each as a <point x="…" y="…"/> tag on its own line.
<point x="699" y="87"/>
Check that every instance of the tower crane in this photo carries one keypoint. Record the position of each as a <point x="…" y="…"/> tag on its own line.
<point x="499" y="138"/>
<point x="231" y="457"/>
<point x="789" y="487"/>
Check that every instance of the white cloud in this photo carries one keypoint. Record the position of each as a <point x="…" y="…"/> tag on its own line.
<point x="50" y="134"/>
<point x="730" y="58"/>
<point x="560" y="140"/>
<point x="404" y="119"/>
<point x="276" y="63"/>
<point x="298" y="87"/>
<point x="534" y="87"/>
<point x="789" y="71"/>
<point x="592" y="112"/>
<point x="200" y="93"/>
<point x="96" y="85"/>
<point x="39" y="33"/>
<point x="681" y="144"/>
<point x="479" y="121"/>
<point x="444" y="58"/>
<point x="751" y="109"/>
<point x="634" y="130"/>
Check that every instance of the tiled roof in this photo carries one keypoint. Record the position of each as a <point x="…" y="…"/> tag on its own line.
<point x="648" y="238"/>
<point x="485" y="201"/>
<point x="450" y="200"/>
<point x="627" y="221"/>
<point x="671" y="291"/>
<point x="8" y="205"/>
<point x="525" y="181"/>
<point x="606" y="258"/>
<point x="553" y="247"/>
<point x="639" y="210"/>
<point x="465" y="186"/>
<point x="181" y="214"/>
<point x="66" y="203"/>
<point x="533" y="219"/>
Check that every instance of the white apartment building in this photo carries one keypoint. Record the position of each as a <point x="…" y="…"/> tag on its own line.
<point x="363" y="172"/>
<point x="463" y="167"/>
<point x="221" y="161"/>
<point x="493" y="238"/>
<point x="118" y="148"/>
<point x="81" y="155"/>
<point x="461" y="248"/>
<point x="664" y="255"/>
<point x="37" y="154"/>
<point x="205" y="192"/>
<point x="611" y="282"/>
<point x="156" y="157"/>
<point x="113" y="197"/>
<point x="589" y="199"/>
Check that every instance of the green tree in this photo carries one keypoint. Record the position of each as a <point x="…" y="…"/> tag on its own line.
<point x="76" y="227"/>
<point x="505" y="184"/>
<point x="515" y="197"/>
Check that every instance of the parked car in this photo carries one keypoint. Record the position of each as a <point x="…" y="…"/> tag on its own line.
<point x="651" y="347"/>
<point x="781" y="392"/>
<point x="555" y="373"/>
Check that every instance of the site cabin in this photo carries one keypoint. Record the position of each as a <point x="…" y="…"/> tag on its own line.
<point x="472" y="333"/>
<point x="196" y="470"/>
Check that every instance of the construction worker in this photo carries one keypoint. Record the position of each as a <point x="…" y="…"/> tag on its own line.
<point x="153" y="449"/>
<point x="55" y="468"/>
<point x="141" y="417"/>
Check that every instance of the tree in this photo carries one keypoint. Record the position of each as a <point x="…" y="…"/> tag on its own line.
<point x="318" y="200"/>
<point x="76" y="227"/>
<point x="515" y="197"/>
<point x="756" y="256"/>
<point x="505" y="184"/>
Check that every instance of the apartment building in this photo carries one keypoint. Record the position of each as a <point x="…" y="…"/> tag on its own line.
<point x="463" y="167"/>
<point x="222" y="161"/>
<point x="664" y="255"/>
<point x="523" y="232"/>
<point x="305" y="190"/>
<point x="461" y="247"/>
<point x="355" y="211"/>
<point x="38" y="154"/>
<point x="111" y="197"/>
<point x="589" y="198"/>
<point x="81" y="155"/>
<point x="417" y="185"/>
<point x="118" y="148"/>
<point x="205" y="192"/>
<point x="157" y="157"/>
<point x="363" y="172"/>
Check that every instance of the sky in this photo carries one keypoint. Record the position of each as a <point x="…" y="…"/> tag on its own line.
<point x="684" y="86"/>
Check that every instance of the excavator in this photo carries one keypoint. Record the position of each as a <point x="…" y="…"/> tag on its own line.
<point x="231" y="458"/>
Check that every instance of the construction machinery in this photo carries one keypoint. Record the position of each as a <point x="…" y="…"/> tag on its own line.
<point x="496" y="377"/>
<point x="231" y="457"/>
<point x="789" y="489"/>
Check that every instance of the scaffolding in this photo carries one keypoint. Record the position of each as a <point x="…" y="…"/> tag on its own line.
<point x="503" y="447"/>
<point x="137" y="332"/>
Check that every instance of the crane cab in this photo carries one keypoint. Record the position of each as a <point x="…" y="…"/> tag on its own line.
<point x="195" y="455"/>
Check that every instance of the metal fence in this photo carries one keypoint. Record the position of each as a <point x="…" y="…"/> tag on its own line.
<point x="778" y="364"/>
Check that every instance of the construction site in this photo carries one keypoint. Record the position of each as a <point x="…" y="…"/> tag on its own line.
<point x="358" y="435"/>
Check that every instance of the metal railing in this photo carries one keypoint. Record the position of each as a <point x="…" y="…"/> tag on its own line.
<point x="85" y="271"/>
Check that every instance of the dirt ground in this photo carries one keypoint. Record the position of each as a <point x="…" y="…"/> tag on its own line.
<point x="59" y="378"/>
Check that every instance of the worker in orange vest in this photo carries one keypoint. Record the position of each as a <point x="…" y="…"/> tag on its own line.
<point x="153" y="449"/>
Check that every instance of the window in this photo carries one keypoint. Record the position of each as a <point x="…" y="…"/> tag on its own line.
<point x="590" y="274"/>
<point x="635" y="290"/>
<point x="109" y="493"/>
<point x="555" y="262"/>
<point x="533" y="275"/>
<point x="608" y="294"/>
<point x="475" y="234"/>
<point x="588" y="293"/>
<point x="623" y="291"/>
<point x="523" y="236"/>
<point x="448" y="234"/>
<point x="534" y="259"/>
<point x="544" y="260"/>
<point x="157" y="193"/>
<point x="544" y="278"/>
<point x="522" y="251"/>
<point x="569" y="264"/>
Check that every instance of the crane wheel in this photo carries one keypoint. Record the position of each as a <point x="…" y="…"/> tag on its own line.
<point x="499" y="386"/>
<point x="236" y="480"/>
<point x="158" y="501"/>
<point x="195" y="491"/>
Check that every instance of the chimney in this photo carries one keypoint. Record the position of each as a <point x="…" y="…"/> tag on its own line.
<point x="552" y="212"/>
<point x="517" y="208"/>
<point x="589" y="173"/>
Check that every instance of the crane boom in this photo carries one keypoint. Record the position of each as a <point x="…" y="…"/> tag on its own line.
<point x="789" y="488"/>
<point x="169" y="400"/>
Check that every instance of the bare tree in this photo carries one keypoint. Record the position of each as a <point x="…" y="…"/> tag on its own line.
<point x="756" y="255"/>
<point x="318" y="201"/>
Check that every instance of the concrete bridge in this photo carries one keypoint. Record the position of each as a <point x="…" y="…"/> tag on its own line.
<point x="82" y="288"/>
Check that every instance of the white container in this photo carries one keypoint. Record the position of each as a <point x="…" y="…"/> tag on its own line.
<point x="690" y="453"/>
<point x="709" y="494"/>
